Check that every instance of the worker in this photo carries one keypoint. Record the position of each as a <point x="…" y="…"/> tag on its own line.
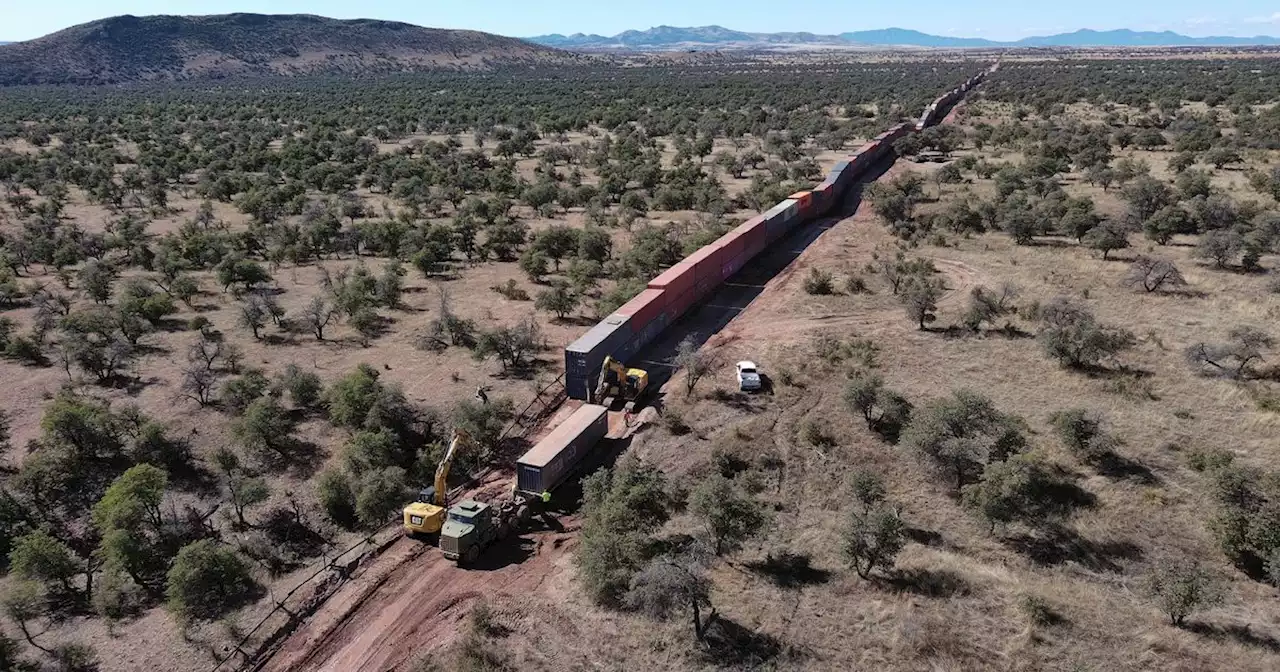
<point x="481" y="396"/>
<point x="546" y="497"/>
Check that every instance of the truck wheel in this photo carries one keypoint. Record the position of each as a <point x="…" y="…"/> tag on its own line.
<point x="523" y="514"/>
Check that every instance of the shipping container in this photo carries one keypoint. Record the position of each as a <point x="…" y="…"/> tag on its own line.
<point x="642" y="309"/>
<point x="676" y="307"/>
<point x="734" y="265"/>
<point x="554" y="458"/>
<point x="645" y="336"/>
<point x="707" y="261"/>
<point x="675" y="280"/>
<point x="584" y="357"/>
<point x="731" y="245"/>
<point x="804" y="202"/>
<point x="752" y="231"/>
<point x="781" y="219"/>
<point x="706" y="285"/>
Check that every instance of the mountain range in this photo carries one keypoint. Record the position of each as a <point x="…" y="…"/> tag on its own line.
<point x="668" y="37"/>
<point x="130" y="48"/>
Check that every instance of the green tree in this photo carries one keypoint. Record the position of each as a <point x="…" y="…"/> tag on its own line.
<point x="207" y="580"/>
<point x="1180" y="588"/>
<point x="337" y="496"/>
<point x="380" y="493"/>
<point x="559" y="299"/>
<point x="622" y="507"/>
<point x="534" y="263"/>
<point x="962" y="434"/>
<point x="872" y="540"/>
<point x="1108" y="237"/>
<point x="37" y="556"/>
<point x="919" y="298"/>
<point x="265" y="430"/>
<point x="729" y="515"/>
<point x="1017" y="489"/>
<point x="1072" y="335"/>
<point x="243" y="492"/>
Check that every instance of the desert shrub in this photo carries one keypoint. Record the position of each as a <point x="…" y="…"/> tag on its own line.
<point x="1083" y="433"/>
<point x="1237" y="358"/>
<point x="819" y="282"/>
<point x="729" y="515"/>
<point x="855" y="284"/>
<point x="304" y="387"/>
<point x="674" y="422"/>
<point x="962" y="434"/>
<point x="1072" y="335"/>
<point x="511" y="291"/>
<point x="206" y="580"/>
<point x="1153" y="274"/>
<point x="1180" y="588"/>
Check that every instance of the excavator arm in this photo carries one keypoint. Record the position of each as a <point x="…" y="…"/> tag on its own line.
<point x="446" y="464"/>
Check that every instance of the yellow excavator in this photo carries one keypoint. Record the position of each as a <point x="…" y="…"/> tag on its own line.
<point x="618" y="381"/>
<point x="426" y="516"/>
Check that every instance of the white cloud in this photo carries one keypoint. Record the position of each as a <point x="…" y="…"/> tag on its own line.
<point x="1274" y="18"/>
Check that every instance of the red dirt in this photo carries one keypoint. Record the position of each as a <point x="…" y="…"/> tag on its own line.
<point x="412" y="601"/>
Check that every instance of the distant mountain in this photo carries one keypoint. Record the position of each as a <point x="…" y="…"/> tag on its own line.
<point x="129" y="48"/>
<point x="1132" y="38"/>
<point x="668" y="38"/>
<point x="898" y="36"/>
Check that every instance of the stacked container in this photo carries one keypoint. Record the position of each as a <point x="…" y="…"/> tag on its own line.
<point x="648" y="318"/>
<point x="585" y="356"/>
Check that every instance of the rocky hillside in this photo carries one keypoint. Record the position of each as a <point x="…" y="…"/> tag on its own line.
<point x="130" y="48"/>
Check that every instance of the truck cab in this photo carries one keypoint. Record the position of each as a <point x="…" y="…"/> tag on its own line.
<point x="469" y="528"/>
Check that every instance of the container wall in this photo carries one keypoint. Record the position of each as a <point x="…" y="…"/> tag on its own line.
<point x="706" y="260"/>
<point x="781" y="219"/>
<point x="677" y="306"/>
<point x="676" y="280"/>
<point x="584" y="357"/>
<point x="644" y="308"/>
<point x="647" y="335"/>
<point x="804" y="203"/>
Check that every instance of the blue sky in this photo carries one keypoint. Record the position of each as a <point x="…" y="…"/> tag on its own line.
<point x="994" y="19"/>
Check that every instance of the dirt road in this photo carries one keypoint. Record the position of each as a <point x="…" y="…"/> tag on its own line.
<point x="412" y="601"/>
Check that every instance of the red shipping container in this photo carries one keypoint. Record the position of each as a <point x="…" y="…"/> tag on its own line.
<point x="733" y="266"/>
<point x="678" y="305"/>
<point x="752" y="231"/>
<point x="707" y="260"/>
<point x="644" y="308"/>
<point x="805" y="201"/>
<point x="676" y="280"/>
<point x="708" y="284"/>
<point x="731" y="245"/>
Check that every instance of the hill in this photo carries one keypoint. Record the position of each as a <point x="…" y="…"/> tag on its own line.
<point x="130" y="48"/>
<point x="668" y="37"/>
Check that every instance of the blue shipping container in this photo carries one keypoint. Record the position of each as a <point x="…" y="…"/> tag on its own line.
<point x="583" y="358"/>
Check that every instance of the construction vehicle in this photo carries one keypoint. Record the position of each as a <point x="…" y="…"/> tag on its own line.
<point x="427" y="515"/>
<point x="618" y="381"/>
<point x="473" y="525"/>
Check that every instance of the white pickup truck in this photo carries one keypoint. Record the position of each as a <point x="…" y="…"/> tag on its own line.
<point x="748" y="377"/>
